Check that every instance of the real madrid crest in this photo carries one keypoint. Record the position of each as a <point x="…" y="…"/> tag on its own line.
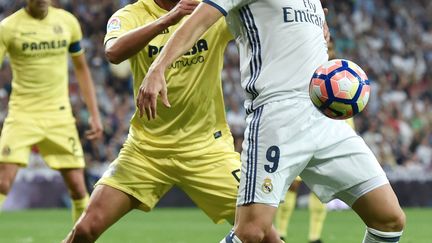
<point x="267" y="186"/>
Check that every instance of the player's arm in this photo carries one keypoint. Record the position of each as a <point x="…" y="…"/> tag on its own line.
<point x="87" y="89"/>
<point x="84" y="78"/>
<point x="119" y="49"/>
<point x="182" y="40"/>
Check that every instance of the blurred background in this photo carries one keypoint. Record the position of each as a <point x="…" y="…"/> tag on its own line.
<point x="390" y="39"/>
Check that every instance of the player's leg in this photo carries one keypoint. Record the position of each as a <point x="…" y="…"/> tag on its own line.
<point x="133" y="180"/>
<point x="62" y="151"/>
<point x="271" y="160"/>
<point x="317" y="215"/>
<point x="74" y="180"/>
<point x="344" y="167"/>
<point x="286" y="209"/>
<point x="8" y="172"/>
<point x="17" y="137"/>
<point x="107" y="205"/>
<point x="380" y="211"/>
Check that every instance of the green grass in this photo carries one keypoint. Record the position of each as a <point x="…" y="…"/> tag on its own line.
<point x="192" y="226"/>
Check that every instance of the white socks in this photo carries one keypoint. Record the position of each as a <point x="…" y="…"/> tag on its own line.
<point x="376" y="236"/>
<point x="231" y="238"/>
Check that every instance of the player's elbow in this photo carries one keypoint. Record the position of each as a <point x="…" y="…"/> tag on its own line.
<point x="113" y="56"/>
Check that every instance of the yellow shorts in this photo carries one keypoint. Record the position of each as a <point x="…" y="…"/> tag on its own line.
<point x="56" y="137"/>
<point x="210" y="180"/>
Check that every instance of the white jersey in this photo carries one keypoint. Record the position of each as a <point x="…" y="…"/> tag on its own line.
<point x="274" y="68"/>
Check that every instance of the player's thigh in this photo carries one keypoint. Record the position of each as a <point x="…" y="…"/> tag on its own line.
<point x="378" y="207"/>
<point x="61" y="147"/>
<point x="341" y="162"/>
<point x="106" y="206"/>
<point x="17" y="137"/>
<point x="142" y="177"/>
<point x="276" y="148"/>
<point x="211" y="181"/>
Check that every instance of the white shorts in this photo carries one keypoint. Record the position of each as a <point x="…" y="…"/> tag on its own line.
<point x="288" y="138"/>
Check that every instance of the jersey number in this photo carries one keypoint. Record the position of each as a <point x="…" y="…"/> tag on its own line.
<point x="272" y="155"/>
<point x="72" y="141"/>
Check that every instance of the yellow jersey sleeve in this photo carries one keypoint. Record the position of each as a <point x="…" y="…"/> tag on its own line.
<point x="120" y="23"/>
<point x="76" y="36"/>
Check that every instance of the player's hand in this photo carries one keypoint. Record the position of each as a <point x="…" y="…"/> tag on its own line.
<point x="326" y="28"/>
<point x="153" y="84"/>
<point x="183" y="8"/>
<point x="96" y="129"/>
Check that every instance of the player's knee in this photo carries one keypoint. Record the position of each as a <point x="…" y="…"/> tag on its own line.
<point x="250" y="233"/>
<point x="83" y="232"/>
<point x="398" y="222"/>
<point x="88" y="228"/>
<point x="393" y="222"/>
<point x="5" y="184"/>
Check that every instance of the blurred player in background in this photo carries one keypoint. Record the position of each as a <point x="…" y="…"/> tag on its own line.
<point x="281" y="44"/>
<point x="38" y="39"/>
<point x="189" y="145"/>
<point x="317" y="209"/>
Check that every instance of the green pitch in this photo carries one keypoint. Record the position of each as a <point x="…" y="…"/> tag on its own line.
<point x="176" y="225"/>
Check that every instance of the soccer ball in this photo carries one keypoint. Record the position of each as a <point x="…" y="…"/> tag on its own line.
<point x="339" y="89"/>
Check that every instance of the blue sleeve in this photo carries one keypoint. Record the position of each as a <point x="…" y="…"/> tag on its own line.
<point x="218" y="7"/>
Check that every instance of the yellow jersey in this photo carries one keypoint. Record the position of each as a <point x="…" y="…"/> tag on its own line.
<point x="197" y="113"/>
<point x="38" y="50"/>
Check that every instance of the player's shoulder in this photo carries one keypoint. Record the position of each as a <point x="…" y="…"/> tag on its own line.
<point x="14" y="18"/>
<point x="131" y="9"/>
<point x="62" y="13"/>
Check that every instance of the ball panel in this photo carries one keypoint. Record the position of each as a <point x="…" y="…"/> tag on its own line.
<point x="357" y="70"/>
<point x="364" y="97"/>
<point x="329" y="66"/>
<point x="316" y="101"/>
<point x="319" y="89"/>
<point x="346" y="110"/>
<point x="344" y="85"/>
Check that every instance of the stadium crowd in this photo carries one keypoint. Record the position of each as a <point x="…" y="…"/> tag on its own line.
<point x="390" y="39"/>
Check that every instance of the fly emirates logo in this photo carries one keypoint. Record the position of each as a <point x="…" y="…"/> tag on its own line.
<point x="308" y="14"/>
<point x="190" y="58"/>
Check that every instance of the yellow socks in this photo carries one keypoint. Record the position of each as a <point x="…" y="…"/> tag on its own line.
<point x="284" y="212"/>
<point x="78" y="207"/>
<point x="318" y="212"/>
<point x="2" y="199"/>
